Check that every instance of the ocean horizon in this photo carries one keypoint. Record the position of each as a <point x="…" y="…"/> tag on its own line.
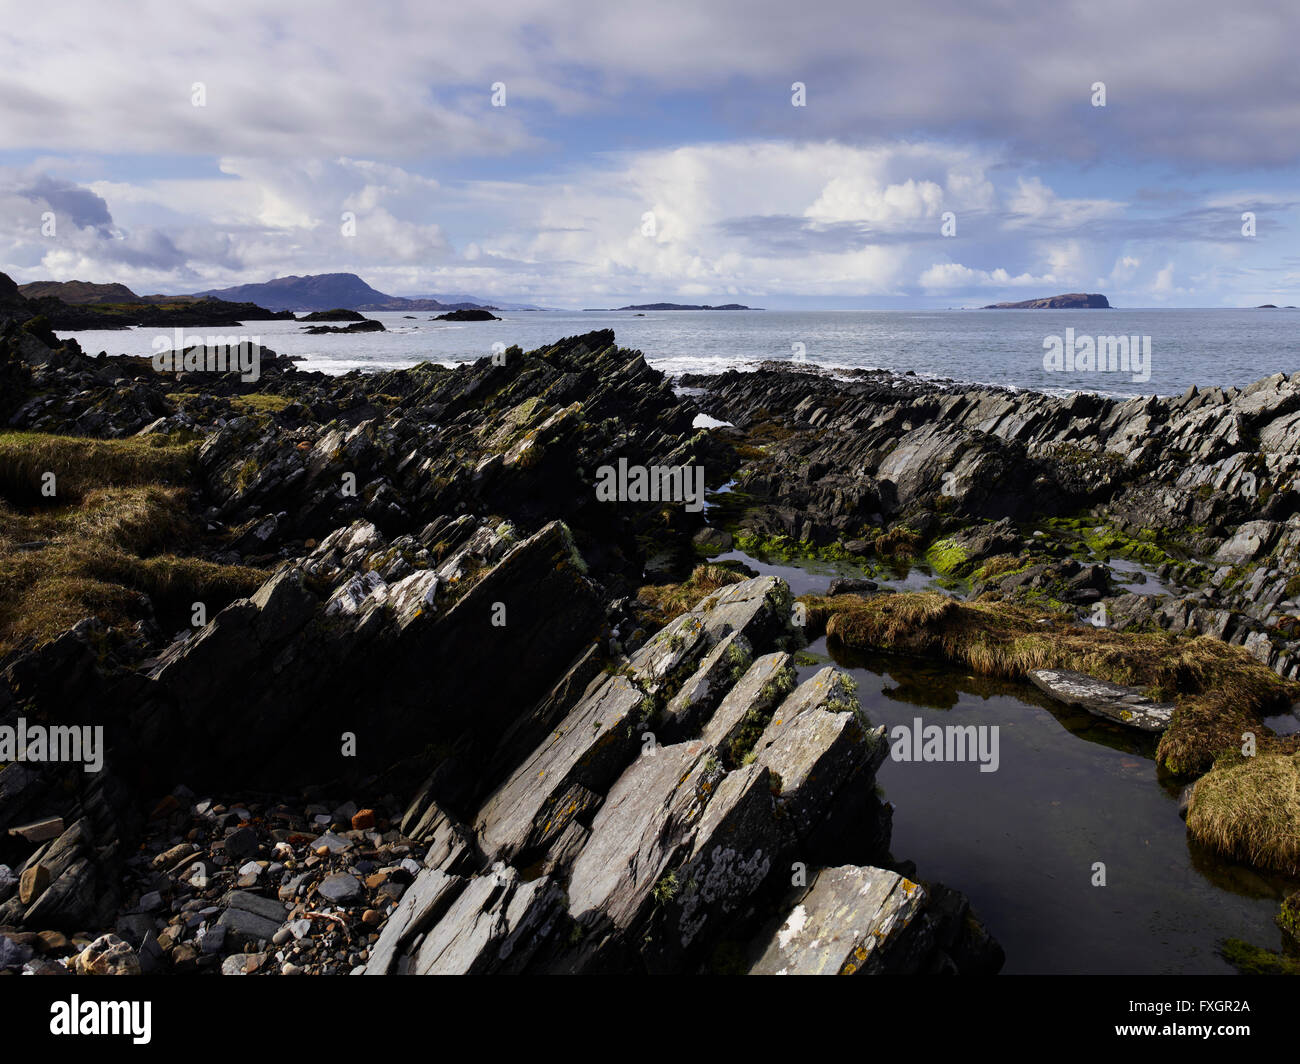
<point x="1004" y="348"/>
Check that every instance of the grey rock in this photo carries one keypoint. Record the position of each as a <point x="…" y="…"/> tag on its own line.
<point x="430" y="894"/>
<point x="847" y="923"/>
<point x="1125" y="705"/>
<point x="340" y="888"/>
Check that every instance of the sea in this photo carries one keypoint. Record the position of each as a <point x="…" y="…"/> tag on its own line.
<point x="1205" y="348"/>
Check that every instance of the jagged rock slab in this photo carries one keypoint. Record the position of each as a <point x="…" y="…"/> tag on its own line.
<point x="648" y="818"/>
<point x="828" y="689"/>
<point x="816" y="754"/>
<point x="425" y="899"/>
<point x="595" y="741"/>
<point x="749" y="704"/>
<point x="1125" y="705"/>
<point x="496" y="920"/>
<point x="702" y="691"/>
<point x="736" y="847"/>
<point x="848" y="923"/>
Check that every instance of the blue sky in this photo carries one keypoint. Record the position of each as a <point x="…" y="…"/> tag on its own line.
<point x="330" y="138"/>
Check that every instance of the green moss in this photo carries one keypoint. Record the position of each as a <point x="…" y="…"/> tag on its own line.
<point x="259" y="403"/>
<point x="947" y="557"/>
<point x="1104" y="540"/>
<point x="666" y="889"/>
<point x="1252" y="960"/>
<point x="787" y="548"/>
<point x="1288" y="919"/>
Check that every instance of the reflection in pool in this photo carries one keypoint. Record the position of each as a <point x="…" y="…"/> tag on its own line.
<point x="1070" y="791"/>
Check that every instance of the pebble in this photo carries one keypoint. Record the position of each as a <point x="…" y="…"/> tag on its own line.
<point x="340" y="887"/>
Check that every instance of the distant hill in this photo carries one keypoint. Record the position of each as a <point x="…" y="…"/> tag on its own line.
<point x="1072" y="301"/>
<point x="323" y="291"/>
<point x="330" y="291"/>
<point x="79" y="293"/>
<point x="149" y="311"/>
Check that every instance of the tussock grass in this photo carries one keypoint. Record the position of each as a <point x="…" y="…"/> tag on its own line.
<point x="1219" y="690"/>
<point x="819" y="609"/>
<point x="667" y="602"/>
<point x="899" y="542"/>
<point x="1000" y="565"/>
<point x="118" y="530"/>
<point x="1251" y="811"/>
<point x="81" y="465"/>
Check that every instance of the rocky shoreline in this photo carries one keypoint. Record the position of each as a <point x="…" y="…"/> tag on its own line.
<point x="386" y="688"/>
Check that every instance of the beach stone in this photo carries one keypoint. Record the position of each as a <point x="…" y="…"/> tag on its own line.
<point x="241" y="844"/>
<point x="33" y="883"/>
<point x="340" y="887"/>
<point x="13" y="954"/>
<point x="1125" y="705"/>
<point x="107" y="955"/>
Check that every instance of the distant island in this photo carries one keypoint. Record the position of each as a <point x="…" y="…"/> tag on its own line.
<point x="672" y="306"/>
<point x="337" y="314"/>
<point x="362" y="326"/>
<point x="475" y="314"/>
<point x="1072" y="301"/>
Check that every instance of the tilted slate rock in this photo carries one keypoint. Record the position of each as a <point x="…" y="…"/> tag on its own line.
<point x="424" y="901"/>
<point x="1124" y="705"/>
<point x="495" y="923"/>
<point x="849" y="922"/>
<point x="647" y="818"/>
<point x="748" y="706"/>
<point x="600" y="736"/>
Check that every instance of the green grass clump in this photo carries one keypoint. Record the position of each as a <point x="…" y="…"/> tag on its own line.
<point x="947" y="557"/>
<point x="1250" y="811"/>
<point x="114" y="541"/>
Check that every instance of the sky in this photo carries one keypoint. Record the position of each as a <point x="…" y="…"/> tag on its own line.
<point x="574" y="153"/>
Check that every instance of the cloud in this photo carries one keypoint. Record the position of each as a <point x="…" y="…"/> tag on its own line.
<point x="952" y="276"/>
<point x="400" y="83"/>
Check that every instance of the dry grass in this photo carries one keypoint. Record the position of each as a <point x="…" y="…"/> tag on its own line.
<point x="116" y="531"/>
<point x="899" y="542"/>
<point x="666" y="602"/>
<point x="81" y="465"/>
<point x="1250" y="811"/>
<point x="1219" y="689"/>
<point x="819" y="609"/>
<point x="1000" y="564"/>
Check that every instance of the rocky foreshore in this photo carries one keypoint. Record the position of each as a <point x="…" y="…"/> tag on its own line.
<point x="386" y="688"/>
<point x="401" y="588"/>
<point x="1199" y="490"/>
